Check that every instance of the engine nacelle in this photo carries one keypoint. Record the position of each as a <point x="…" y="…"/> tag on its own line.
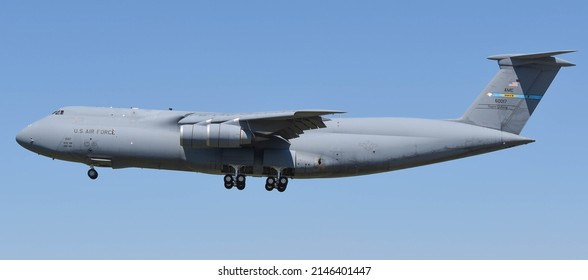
<point x="213" y="136"/>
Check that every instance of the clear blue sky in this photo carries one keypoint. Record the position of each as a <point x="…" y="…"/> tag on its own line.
<point x="369" y="58"/>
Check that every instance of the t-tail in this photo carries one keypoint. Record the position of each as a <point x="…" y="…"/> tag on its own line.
<point x="509" y="100"/>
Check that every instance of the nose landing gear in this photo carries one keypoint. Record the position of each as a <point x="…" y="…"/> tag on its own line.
<point x="92" y="173"/>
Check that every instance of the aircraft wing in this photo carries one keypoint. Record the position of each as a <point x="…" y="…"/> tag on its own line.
<point x="287" y="124"/>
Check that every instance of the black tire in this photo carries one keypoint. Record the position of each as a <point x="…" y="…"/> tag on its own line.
<point x="282" y="184"/>
<point x="93" y="174"/>
<point x="241" y="178"/>
<point x="270" y="181"/>
<point x="240" y="182"/>
<point x="229" y="182"/>
<point x="270" y="184"/>
<point x="283" y="181"/>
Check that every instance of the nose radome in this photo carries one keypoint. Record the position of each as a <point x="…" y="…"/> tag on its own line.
<point x="24" y="137"/>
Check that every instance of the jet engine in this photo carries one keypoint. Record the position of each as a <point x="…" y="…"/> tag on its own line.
<point x="213" y="136"/>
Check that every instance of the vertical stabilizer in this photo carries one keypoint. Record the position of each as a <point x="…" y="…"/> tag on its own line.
<point x="511" y="97"/>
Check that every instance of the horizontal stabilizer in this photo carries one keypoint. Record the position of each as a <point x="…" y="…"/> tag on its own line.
<point x="540" y="58"/>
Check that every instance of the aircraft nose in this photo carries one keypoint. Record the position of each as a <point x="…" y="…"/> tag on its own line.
<point x="25" y="137"/>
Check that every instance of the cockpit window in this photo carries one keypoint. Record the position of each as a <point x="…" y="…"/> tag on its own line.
<point x="58" y="112"/>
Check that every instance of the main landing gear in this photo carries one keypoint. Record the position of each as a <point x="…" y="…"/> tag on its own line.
<point x="281" y="183"/>
<point x="238" y="181"/>
<point x="271" y="183"/>
<point x="92" y="173"/>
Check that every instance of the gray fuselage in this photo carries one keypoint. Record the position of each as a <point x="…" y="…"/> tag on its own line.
<point x="121" y="138"/>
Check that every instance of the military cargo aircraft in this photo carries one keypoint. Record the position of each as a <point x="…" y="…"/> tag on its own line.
<point x="295" y="144"/>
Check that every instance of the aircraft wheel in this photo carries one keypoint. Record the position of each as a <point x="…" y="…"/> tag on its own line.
<point x="240" y="182"/>
<point x="282" y="184"/>
<point x="270" y="183"/>
<point x="229" y="182"/>
<point x="283" y="181"/>
<point x="92" y="173"/>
